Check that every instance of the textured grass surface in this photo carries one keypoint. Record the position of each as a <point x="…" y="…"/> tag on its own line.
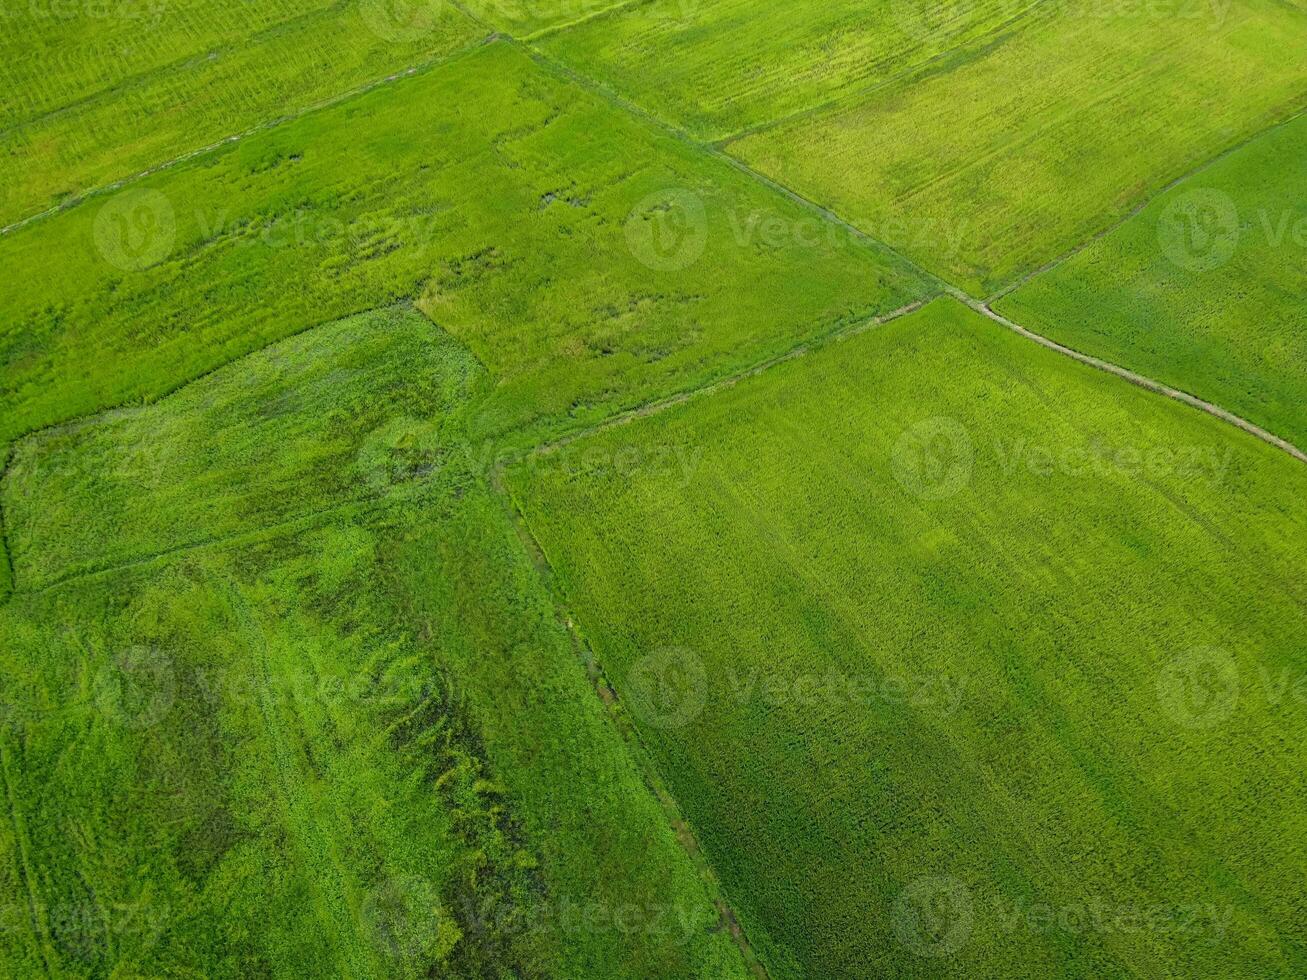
<point x="6" y="562"/>
<point x="103" y="91"/>
<point x="347" y="412"/>
<point x="718" y="68"/>
<point x="359" y="744"/>
<point x="959" y="657"/>
<point x="1203" y="289"/>
<point x="591" y="262"/>
<point x="524" y="18"/>
<point x="991" y="165"/>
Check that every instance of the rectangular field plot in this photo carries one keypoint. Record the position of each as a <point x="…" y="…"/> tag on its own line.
<point x="103" y="91"/>
<point x="589" y="260"/>
<point x="1205" y="289"/>
<point x="718" y="68"/>
<point x="958" y="654"/>
<point x="364" y="749"/>
<point x="352" y="411"/>
<point x="986" y="167"/>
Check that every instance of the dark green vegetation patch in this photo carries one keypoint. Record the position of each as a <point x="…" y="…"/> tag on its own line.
<point x="913" y="706"/>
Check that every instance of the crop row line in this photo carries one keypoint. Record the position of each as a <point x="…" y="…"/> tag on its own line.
<point x="247" y="133"/>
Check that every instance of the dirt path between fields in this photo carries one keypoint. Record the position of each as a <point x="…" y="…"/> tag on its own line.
<point x="1142" y="381"/>
<point x="730" y="381"/>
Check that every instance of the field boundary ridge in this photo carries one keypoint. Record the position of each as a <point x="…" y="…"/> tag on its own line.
<point x="1143" y="381"/>
<point x="97" y="191"/>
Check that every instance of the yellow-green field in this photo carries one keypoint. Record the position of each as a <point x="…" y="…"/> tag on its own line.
<point x="1202" y="289"/>
<point x="103" y="91"/>
<point x="660" y="489"/>
<point x="718" y="68"/>
<point x="985" y="167"/>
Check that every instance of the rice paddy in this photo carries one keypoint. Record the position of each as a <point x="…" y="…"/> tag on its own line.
<point x="651" y="489"/>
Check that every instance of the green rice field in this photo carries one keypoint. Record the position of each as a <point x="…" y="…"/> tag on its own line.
<point x="1202" y="288"/>
<point x="110" y="90"/>
<point x="719" y="68"/>
<point x="506" y="210"/>
<point x="820" y="699"/>
<point x="653" y="489"/>
<point x="985" y="167"/>
<point x="355" y="735"/>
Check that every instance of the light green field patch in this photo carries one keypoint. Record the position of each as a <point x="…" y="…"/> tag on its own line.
<point x="591" y="261"/>
<point x="353" y="411"/>
<point x="103" y="91"/>
<point x="959" y="655"/>
<point x="993" y="165"/>
<point x="1204" y="289"/>
<point x="718" y="68"/>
